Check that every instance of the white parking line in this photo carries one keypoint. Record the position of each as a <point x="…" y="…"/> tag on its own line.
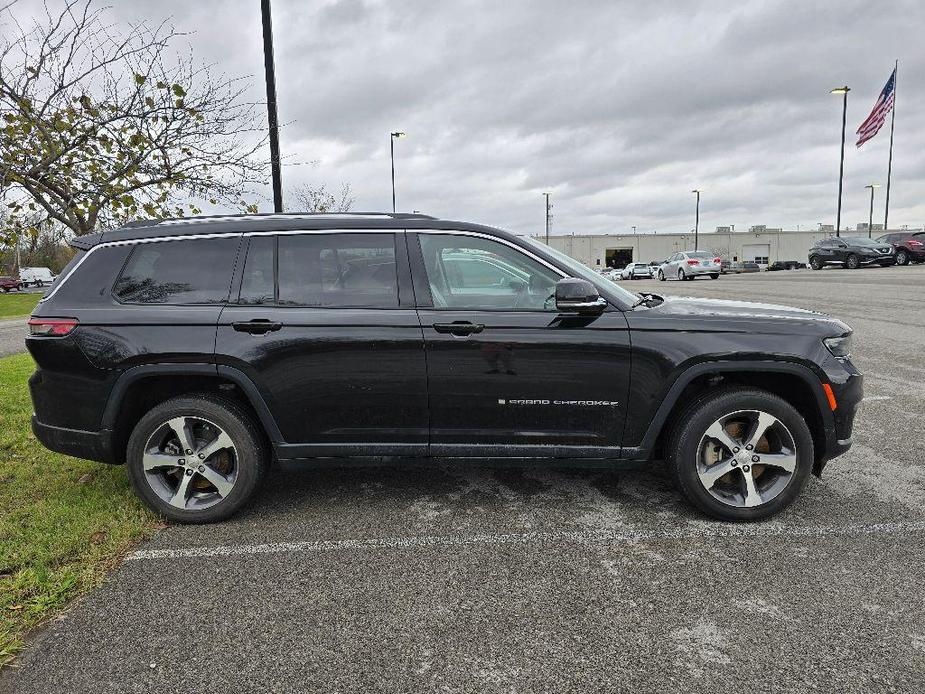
<point x="581" y="537"/>
<point x="877" y="397"/>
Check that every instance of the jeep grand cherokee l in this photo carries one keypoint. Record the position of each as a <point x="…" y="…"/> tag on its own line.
<point x="198" y="351"/>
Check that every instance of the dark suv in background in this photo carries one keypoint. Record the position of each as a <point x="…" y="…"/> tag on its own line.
<point x="850" y="252"/>
<point x="908" y="246"/>
<point x="198" y="351"/>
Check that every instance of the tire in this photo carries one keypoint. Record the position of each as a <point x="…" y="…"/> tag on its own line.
<point x="241" y="465"/>
<point x="852" y="262"/>
<point x="902" y="258"/>
<point x="714" y="276"/>
<point x="689" y="443"/>
<point x="661" y="275"/>
<point x="815" y="263"/>
<point x="681" y="275"/>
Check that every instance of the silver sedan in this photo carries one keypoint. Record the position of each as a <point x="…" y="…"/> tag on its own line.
<point x="687" y="265"/>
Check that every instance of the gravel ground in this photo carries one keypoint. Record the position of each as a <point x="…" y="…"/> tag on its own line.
<point x="537" y="580"/>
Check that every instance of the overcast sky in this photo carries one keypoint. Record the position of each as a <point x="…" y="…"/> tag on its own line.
<point x="618" y="109"/>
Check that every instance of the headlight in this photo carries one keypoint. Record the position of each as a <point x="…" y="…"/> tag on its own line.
<point x="839" y="346"/>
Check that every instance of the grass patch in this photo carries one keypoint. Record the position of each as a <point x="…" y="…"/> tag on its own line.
<point x="63" y="521"/>
<point x="15" y="305"/>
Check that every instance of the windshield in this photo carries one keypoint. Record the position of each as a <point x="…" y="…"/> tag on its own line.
<point x="859" y="241"/>
<point x="576" y="269"/>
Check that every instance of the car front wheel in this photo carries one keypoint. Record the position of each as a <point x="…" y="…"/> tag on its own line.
<point x="661" y="276"/>
<point x="740" y="454"/>
<point x="196" y="458"/>
<point x="902" y="258"/>
<point x="815" y="263"/>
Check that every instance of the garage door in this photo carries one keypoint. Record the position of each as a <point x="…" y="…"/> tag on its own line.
<point x="756" y="252"/>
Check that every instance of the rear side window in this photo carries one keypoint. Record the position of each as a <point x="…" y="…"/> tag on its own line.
<point x="337" y="270"/>
<point x="191" y="271"/>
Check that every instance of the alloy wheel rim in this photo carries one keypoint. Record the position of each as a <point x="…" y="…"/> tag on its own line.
<point x="190" y="462"/>
<point x="746" y="458"/>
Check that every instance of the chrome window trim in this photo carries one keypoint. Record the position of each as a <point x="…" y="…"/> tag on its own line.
<point x="216" y="235"/>
<point x="293" y="232"/>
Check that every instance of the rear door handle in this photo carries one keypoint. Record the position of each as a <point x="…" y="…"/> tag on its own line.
<point x="459" y="328"/>
<point x="258" y="326"/>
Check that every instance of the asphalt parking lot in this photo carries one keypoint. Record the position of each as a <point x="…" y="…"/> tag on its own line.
<point x="536" y="580"/>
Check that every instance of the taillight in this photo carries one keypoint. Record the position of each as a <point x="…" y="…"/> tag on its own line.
<point x="51" y="327"/>
<point x="717" y="260"/>
<point x="693" y="262"/>
<point x="915" y="243"/>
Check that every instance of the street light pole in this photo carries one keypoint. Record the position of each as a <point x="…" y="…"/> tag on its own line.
<point x="841" y="166"/>
<point x="272" y="118"/>
<point x="392" y="137"/>
<point x="697" y="220"/>
<point x="547" y="217"/>
<point x="870" y="218"/>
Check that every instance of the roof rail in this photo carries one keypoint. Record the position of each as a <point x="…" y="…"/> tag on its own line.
<point x="267" y="215"/>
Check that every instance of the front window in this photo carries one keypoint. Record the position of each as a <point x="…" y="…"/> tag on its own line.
<point x="576" y="269"/>
<point x="474" y="273"/>
<point x="861" y="241"/>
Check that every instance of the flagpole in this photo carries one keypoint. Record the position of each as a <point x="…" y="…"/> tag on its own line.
<point x="889" y="167"/>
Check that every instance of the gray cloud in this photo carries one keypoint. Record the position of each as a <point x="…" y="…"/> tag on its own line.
<point x="618" y="108"/>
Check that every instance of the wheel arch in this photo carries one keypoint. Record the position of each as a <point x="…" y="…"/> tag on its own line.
<point x="142" y="387"/>
<point x="794" y="382"/>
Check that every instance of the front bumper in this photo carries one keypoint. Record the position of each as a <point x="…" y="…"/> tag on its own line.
<point x="89" y="445"/>
<point x="848" y="388"/>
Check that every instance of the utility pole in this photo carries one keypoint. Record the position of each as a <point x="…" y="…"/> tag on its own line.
<point x="841" y="166"/>
<point x="697" y="220"/>
<point x="392" y="137"/>
<point x="870" y="218"/>
<point x="272" y="118"/>
<point x="547" y="217"/>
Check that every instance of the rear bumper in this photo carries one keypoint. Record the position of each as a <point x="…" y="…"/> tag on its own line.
<point x="90" y="445"/>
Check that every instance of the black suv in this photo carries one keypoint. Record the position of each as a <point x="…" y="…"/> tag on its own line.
<point x="850" y="252"/>
<point x="198" y="351"/>
<point x="908" y="245"/>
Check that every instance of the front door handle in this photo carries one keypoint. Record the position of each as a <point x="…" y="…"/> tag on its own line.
<point x="258" y="326"/>
<point x="459" y="328"/>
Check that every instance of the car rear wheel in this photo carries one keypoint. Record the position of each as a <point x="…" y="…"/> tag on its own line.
<point x="740" y="454"/>
<point x="196" y="458"/>
<point x="852" y="262"/>
<point x="714" y="276"/>
<point x="902" y="258"/>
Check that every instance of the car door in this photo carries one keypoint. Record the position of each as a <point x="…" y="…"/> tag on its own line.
<point x="508" y="375"/>
<point x="324" y="325"/>
<point x="840" y="250"/>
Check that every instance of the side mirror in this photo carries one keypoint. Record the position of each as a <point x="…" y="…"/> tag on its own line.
<point x="575" y="295"/>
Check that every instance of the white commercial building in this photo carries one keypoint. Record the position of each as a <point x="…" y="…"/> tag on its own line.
<point x="759" y="244"/>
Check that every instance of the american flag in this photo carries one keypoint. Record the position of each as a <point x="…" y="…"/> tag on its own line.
<point x="884" y="105"/>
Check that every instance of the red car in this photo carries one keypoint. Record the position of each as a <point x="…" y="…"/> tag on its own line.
<point x="909" y="245"/>
<point x="8" y="283"/>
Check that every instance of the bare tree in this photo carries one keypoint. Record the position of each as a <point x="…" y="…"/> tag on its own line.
<point x="101" y="125"/>
<point x="318" y="199"/>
